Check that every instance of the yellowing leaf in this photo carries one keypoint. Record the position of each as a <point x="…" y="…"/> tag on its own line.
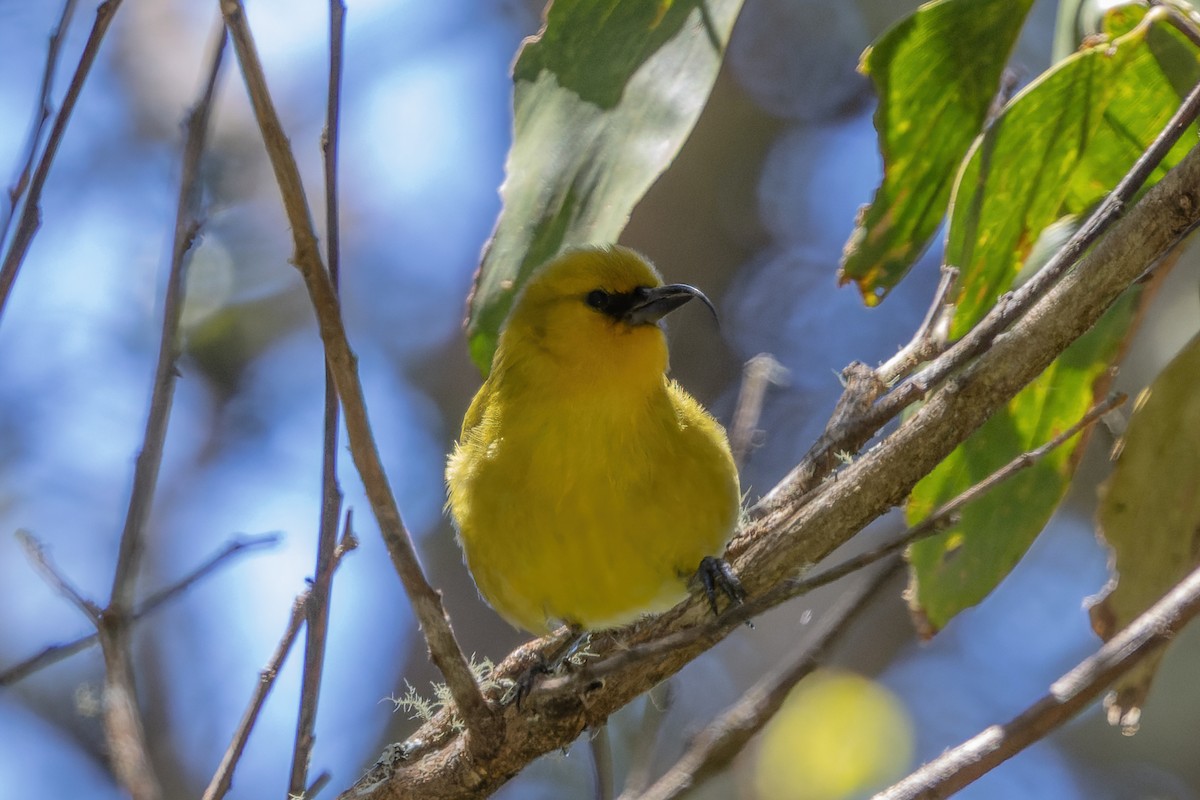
<point x="1150" y="515"/>
<point x="936" y="73"/>
<point x="1058" y="148"/>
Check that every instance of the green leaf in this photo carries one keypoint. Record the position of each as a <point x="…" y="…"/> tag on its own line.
<point x="1151" y="524"/>
<point x="936" y="73"/>
<point x="1057" y="149"/>
<point x="958" y="568"/>
<point x="603" y="100"/>
<point x="1045" y="161"/>
<point x="1018" y="174"/>
<point x="1149" y="90"/>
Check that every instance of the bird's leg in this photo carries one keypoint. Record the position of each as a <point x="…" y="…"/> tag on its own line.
<point x="717" y="578"/>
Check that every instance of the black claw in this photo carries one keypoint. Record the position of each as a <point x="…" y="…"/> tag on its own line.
<point x="717" y="577"/>
<point x="526" y="680"/>
<point x="557" y="662"/>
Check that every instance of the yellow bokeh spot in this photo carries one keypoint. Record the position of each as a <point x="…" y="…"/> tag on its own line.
<point x="837" y="735"/>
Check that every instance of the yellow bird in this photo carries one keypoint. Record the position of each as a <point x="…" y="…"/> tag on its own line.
<point x="587" y="487"/>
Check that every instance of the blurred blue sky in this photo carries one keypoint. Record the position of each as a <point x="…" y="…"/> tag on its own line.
<point x="426" y="116"/>
<point x="426" y="128"/>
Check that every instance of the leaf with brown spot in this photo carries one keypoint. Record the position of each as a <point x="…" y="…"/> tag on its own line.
<point x="1150" y="516"/>
<point x="937" y="72"/>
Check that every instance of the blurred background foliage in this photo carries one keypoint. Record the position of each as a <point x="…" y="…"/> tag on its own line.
<point x="755" y="210"/>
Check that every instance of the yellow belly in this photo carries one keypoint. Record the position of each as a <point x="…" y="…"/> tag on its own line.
<point x="591" y="519"/>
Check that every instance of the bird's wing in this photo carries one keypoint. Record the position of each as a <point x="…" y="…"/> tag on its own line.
<point x="474" y="415"/>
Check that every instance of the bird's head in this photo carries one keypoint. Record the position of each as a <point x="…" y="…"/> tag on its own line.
<point x="593" y="314"/>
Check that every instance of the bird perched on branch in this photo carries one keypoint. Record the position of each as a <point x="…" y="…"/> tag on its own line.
<point x="587" y="486"/>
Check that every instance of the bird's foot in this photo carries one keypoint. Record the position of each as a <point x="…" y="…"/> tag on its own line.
<point x="569" y="653"/>
<point x="524" y="683"/>
<point x="717" y="577"/>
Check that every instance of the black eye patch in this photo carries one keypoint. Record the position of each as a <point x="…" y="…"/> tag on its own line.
<point x="615" y="304"/>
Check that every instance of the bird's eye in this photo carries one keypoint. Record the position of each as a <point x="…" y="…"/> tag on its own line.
<point x="597" y="299"/>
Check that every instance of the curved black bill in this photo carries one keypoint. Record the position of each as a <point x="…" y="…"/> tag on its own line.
<point x="652" y="305"/>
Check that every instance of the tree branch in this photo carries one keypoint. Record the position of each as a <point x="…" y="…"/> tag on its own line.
<point x="149" y="460"/>
<point x="36" y="552"/>
<point x="122" y="724"/>
<point x="426" y="601"/>
<point x="123" y="728"/>
<point x="1069" y="695"/>
<point x="930" y="338"/>
<point x="222" y="779"/>
<point x="41" y="113"/>
<point x="58" y="652"/>
<point x="31" y="213"/>
<point x="317" y="630"/>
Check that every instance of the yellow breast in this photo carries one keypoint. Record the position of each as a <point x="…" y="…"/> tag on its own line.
<point x="591" y="515"/>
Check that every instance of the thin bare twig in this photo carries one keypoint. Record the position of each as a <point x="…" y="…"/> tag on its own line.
<point x="426" y="601"/>
<point x="759" y="373"/>
<point x="241" y="544"/>
<point x="317" y="629"/>
<point x="600" y="745"/>
<point x="930" y="338"/>
<point x="149" y="460"/>
<point x="657" y="702"/>
<point x="123" y="726"/>
<point x="1187" y="25"/>
<point x="59" y="582"/>
<point x="30" y="219"/>
<point x="58" y="652"/>
<point x="720" y="741"/>
<point x="222" y="779"/>
<point x="1070" y="694"/>
<point x="852" y="435"/>
<point x="319" y="783"/>
<point x="862" y="387"/>
<point x="943" y="515"/>
<point x="41" y="113"/>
